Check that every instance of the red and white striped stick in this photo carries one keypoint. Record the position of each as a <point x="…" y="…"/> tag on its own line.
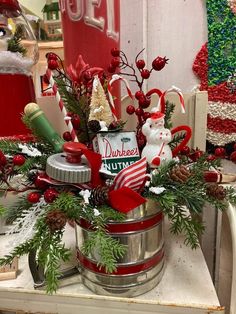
<point x="61" y="105"/>
<point x="117" y="77"/>
<point x="161" y="102"/>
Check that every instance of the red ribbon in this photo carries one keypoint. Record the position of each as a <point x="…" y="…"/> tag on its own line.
<point x="94" y="159"/>
<point x="122" y="227"/>
<point x="124" y="269"/>
<point x="125" y="199"/>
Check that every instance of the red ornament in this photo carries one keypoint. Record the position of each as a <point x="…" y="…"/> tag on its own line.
<point x="234" y="146"/>
<point x="145" y="73"/>
<point x="33" y="197"/>
<point x="196" y="155"/>
<point x="140" y="64"/>
<point x="211" y="157"/>
<point x="233" y="157"/>
<point x="87" y="76"/>
<point x="50" y="195"/>
<point x="53" y="64"/>
<point x="139" y="94"/>
<point x="51" y="56"/>
<point x="111" y="69"/>
<point x="130" y="109"/>
<point x="139" y="112"/>
<point x="75" y="120"/>
<point x="141" y="140"/>
<point x="67" y="136"/>
<point x="3" y="159"/>
<point x="115" y="62"/>
<point x="115" y="52"/>
<point x="18" y="160"/>
<point x="220" y="152"/>
<point x="144" y="103"/>
<point x="185" y="151"/>
<point x="146" y="115"/>
<point x="159" y="63"/>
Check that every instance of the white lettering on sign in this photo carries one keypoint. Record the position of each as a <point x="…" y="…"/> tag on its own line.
<point x="113" y="167"/>
<point x="90" y="18"/>
<point x="76" y="11"/>
<point x="111" y="21"/>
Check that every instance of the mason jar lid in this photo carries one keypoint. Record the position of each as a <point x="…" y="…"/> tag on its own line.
<point x="58" y="168"/>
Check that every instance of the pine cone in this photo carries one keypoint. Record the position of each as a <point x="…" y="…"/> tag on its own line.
<point x="56" y="220"/>
<point x="94" y="126"/>
<point x="217" y="191"/>
<point x="99" y="196"/>
<point x="180" y="174"/>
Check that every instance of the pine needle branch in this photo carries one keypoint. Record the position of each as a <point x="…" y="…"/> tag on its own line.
<point x="14" y="44"/>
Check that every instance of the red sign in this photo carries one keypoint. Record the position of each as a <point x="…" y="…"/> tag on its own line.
<point x="90" y="28"/>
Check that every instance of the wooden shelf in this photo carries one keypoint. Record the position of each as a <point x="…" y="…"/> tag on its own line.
<point x="186" y="287"/>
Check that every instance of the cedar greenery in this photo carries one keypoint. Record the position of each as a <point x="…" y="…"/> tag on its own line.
<point x="14" y="44"/>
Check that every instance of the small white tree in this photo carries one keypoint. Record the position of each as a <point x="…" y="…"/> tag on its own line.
<point x="99" y="106"/>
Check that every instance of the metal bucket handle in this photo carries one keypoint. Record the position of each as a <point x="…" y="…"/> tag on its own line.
<point x="37" y="272"/>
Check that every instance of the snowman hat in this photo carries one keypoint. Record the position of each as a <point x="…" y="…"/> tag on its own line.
<point x="158" y="115"/>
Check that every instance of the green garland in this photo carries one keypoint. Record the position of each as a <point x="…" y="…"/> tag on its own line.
<point x="221" y="41"/>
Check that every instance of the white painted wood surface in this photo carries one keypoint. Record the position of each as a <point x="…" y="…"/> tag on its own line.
<point x="186" y="287"/>
<point x="173" y="28"/>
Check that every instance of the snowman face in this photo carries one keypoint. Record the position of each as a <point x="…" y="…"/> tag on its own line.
<point x="158" y="123"/>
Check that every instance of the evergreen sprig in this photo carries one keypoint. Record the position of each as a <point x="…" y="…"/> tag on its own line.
<point x="15" y="211"/>
<point x="9" y="146"/>
<point x="108" y="248"/>
<point x="14" y="44"/>
<point x="184" y="202"/>
<point x="177" y="138"/>
<point x="169" y="110"/>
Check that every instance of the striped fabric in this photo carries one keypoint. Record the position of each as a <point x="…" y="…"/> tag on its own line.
<point x="132" y="176"/>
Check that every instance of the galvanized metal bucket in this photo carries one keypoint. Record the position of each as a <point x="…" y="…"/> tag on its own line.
<point x="141" y="268"/>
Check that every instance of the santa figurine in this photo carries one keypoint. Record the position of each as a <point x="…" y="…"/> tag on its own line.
<point x="156" y="149"/>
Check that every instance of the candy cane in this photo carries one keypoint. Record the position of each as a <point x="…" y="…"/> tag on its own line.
<point x="61" y="105"/>
<point x="161" y="102"/>
<point x="116" y="77"/>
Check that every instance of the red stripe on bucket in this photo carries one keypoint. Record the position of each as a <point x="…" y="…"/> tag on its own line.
<point x="122" y="270"/>
<point x="126" y="226"/>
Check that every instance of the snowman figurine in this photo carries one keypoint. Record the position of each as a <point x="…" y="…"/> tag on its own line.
<point x="157" y="149"/>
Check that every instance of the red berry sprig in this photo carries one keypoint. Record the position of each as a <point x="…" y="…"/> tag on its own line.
<point x="139" y="75"/>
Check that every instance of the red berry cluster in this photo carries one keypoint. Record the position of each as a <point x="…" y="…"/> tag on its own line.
<point x="220" y="152"/>
<point x="53" y="63"/>
<point x="119" y="62"/>
<point x="75" y="120"/>
<point x="8" y="168"/>
<point x="49" y="196"/>
<point x="192" y="154"/>
<point x="16" y="160"/>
